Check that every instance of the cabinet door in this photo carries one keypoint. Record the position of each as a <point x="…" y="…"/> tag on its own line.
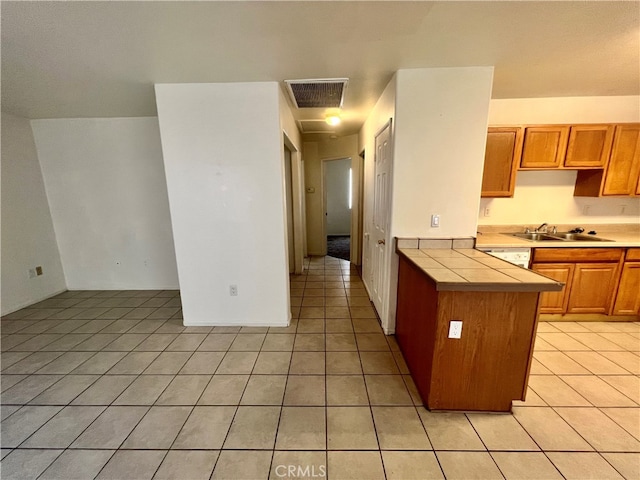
<point x="628" y="296"/>
<point x="555" y="302"/>
<point x="624" y="165"/>
<point x="589" y="146"/>
<point x="501" y="157"/>
<point x="544" y="147"/>
<point x="593" y="288"/>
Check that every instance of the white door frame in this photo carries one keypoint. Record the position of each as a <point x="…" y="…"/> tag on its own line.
<point x="297" y="189"/>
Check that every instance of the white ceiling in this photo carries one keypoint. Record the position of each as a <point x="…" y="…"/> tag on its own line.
<point x="101" y="59"/>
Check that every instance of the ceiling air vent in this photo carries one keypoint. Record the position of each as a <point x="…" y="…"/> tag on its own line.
<point x="317" y="93"/>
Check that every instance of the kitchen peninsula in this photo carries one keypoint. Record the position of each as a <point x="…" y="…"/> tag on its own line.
<point x="482" y="363"/>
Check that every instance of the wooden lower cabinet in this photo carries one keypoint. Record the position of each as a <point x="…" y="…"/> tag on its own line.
<point x="595" y="280"/>
<point x="593" y="288"/>
<point x="628" y="297"/>
<point x="488" y="366"/>
<point x="555" y="302"/>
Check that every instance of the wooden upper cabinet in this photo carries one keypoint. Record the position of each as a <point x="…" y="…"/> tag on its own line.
<point x="504" y="147"/>
<point x="589" y="146"/>
<point x="623" y="170"/>
<point x="544" y="146"/>
<point x="621" y="176"/>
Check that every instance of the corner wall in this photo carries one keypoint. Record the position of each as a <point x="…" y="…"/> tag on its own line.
<point x="223" y="155"/>
<point x="107" y="191"/>
<point x="28" y="239"/>
<point x="547" y="196"/>
<point x="439" y="135"/>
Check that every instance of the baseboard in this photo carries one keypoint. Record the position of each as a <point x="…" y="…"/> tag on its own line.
<point x="586" y="317"/>
<point x="20" y="306"/>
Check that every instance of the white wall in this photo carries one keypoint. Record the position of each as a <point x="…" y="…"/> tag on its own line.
<point x="105" y="182"/>
<point x="28" y="238"/>
<point x="223" y="154"/>
<point x="337" y="185"/>
<point x="547" y="196"/>
<point x="441" y="129"/>
<point x="439" y="134"/>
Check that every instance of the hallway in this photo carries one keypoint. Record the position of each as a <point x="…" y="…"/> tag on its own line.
<point x="110" y="384"/>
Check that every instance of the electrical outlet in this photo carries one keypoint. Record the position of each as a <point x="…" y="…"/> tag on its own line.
<point x="233" y="290"/>
<point x="435" y="220"/>
<point x="38" y="270"/>
<point x="455" y="328"/>
<point x="487" y="212"/>
<point x="586" y="209"/>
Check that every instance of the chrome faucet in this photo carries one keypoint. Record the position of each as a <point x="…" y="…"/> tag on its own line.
<point x="540" y="228"/>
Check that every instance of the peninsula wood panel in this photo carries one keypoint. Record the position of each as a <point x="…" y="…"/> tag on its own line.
<point x="555" y="302"/>
<point x="415" y="324"/>
<point x="488" y="366"/>
<point x="589" y="146"/>
<point x="502" y="154"/>
<point x="544" y="147"/>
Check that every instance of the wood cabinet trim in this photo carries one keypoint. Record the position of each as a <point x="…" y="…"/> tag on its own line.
<point x="632" y="254"/>
<point x="573" y="255"/>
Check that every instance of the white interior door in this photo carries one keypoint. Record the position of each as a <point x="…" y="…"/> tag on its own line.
<point x="380" y="241"/>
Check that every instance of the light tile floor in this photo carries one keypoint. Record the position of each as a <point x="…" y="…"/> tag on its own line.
<point x="110" y="384"/>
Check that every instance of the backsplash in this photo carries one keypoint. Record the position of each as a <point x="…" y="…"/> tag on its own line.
<point x="514" y="228"/>
<point x="547" y="196"/>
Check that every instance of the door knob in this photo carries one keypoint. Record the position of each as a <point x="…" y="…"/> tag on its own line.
<point x="381" y="242"/>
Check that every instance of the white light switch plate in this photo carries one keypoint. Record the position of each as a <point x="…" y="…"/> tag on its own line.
<point x="455" y="328"/>
<point x="435" y="221"/>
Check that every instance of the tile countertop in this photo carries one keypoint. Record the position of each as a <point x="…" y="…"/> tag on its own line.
<point x="475" y="271"/>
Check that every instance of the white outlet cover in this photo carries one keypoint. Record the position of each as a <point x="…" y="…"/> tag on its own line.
<point x="455" y="328"/>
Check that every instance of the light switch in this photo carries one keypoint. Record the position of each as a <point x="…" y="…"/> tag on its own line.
<point x="435" y="221"/>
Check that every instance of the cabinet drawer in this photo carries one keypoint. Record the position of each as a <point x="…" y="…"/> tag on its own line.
<point x="560" y="255"/>
<point x="633" y="254"/>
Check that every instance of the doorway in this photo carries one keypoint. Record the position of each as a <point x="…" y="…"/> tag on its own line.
<point x="288" y="180"/>
<point x="293" y="170"/>
<point x="338" y="201"/>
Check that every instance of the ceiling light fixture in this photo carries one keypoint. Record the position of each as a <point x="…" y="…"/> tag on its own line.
<point x="333" y="119"/>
